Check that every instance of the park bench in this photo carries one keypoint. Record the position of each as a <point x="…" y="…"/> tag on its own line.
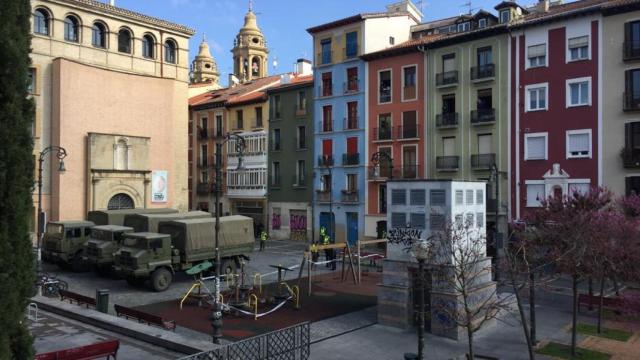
<point x="78" y="298"/>
<point x="592" y="301"/>
<point x="101" y="350"/>
<point x="144" y="317"/>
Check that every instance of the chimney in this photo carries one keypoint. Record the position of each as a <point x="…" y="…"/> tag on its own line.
<point x="543" y="6"/>
<point x="112" y="2"/>
<point x="303" y="67"/>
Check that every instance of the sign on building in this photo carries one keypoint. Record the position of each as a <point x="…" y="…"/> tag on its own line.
<point x="159" y="186"/>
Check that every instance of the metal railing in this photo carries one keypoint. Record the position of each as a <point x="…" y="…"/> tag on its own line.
<point x="447" y="120"/>
<point x="483" y="161"/>
<point x="483" y="116"/>
<point x="450" y="163"/>
<point x="409" y="171"/>
<point x="350" y="86"/>
<point x="408" y="132"/>
<point x="631" y="50"/>
<point x="481" y="72"/>
<point x="630" y="158"/>
<point x="381" y="172"/>
<point x="349" y="196"/>
<point x="447" y="78"/>
<point x="631" y="102"/>
<point x="381" y="134"/>
<point x="350" y="159"/>
<point x="350" y="123"/>
<point x="325" y="160"/>
<point x="323" y="196"/>
<point x="203" y="133"/>
<point x="350" y="52"/>
<point x="325" y="126"/>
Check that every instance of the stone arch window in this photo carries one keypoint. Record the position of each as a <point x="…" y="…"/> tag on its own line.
<point x="71" y="28"/>
<point x="170" y="51"/>
<point x="41" y="21"/>
<point x="121" y="201"/>
<point x="255" y="66"/>
<point x="124" y="41"/>
<point x="148" y="43"/>
<point x="99" y="35"/>
<point x="121" y="155"/>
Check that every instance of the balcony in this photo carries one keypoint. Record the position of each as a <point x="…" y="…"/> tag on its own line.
<point x="350" y="123"/>
<point x="447" y="163"/>
<point x="350" y="52"/>
<point x="631" y="102"/>
<point x="382" y="134"/>
<point x="206" y="162"/>
<point x="631" y="50"/>
<point x="408" y="132"/>
<point x="299" y="181"/>
<point x="300" y="110"/>
<point x="483" y="116"/>
<point x="325" y="90"/>
<point x="409" y="171"/>
<point x="483" y="161"/>
<point x="325" y="57"/>
<point x="203" y="133"/>
<point x="446" y="120"/>
<point x="630" y="158"/>
<point x="325" y="126"/>
<point x="323" y="196"/>
<point x="351" y="159"/>
<point x="381" y="172"/>
<point x="483" y="72"/>
<point x="448" y="78"/>
<point x="351" y="86"/>
<point x="204" y="188"/>
<point x="349" y="196"/>
<point x="325" y="160"/>
<point x="409" y="93"/>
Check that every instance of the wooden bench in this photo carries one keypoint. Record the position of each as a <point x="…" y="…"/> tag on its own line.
<point x="593" y="301"/>
<point x="144" y="317"/>
<point x="78" y="298"/>
<point x="101" y="350"/>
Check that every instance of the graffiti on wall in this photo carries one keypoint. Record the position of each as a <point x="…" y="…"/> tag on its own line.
<point x="276" y="219"/>
<point x="404" y="235"/>
<point x="298" y="225"/>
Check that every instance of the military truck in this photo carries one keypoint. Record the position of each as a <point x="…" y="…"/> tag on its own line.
<point x="180" y="245"/>
<point x="150" y="222"/>
<point x="116" y="217"/>
<point x="63" y="242"/>
<point x="104" y="240"/>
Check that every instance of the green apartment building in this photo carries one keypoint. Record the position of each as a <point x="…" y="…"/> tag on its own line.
<point x="290" y="157"/>
<point x="467" y="93"/>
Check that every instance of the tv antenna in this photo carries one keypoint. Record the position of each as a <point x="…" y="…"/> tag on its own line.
<point x="469" y="5"/>
<point x="421" y="4"/>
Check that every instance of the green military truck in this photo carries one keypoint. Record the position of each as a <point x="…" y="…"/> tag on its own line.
<point x="150" y="222"/>
<point x="180" y="245"/>
<point x="116" y="217"/>
<point x="104" y="240"/>
<point x="63" y="242"/>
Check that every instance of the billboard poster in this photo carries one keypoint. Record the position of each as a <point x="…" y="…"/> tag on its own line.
<point x="159" y="186"/>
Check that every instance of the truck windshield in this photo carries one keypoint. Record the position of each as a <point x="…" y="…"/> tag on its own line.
<point x="135" y="243"/>
<point x="100" y="235"/>
<point x="55" y="229"/>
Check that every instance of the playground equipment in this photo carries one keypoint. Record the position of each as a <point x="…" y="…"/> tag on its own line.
<point x="307" y="260"/>
<point x="363" y="243"/>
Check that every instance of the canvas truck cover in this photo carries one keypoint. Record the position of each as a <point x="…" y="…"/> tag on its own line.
<point x="150" y="222"/>
<point x="116" y="217"/>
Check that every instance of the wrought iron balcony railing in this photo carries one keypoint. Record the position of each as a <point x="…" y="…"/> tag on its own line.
<point x="447" y="78"/>
<point x="483" y="161"/>
<point x="483" y="116"/>
<point x="447" y="120"/>
<point x="447" y="163"/>
<point x="483" y="72"/>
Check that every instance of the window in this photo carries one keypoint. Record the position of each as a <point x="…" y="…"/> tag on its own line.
<point x="124" y="41"/>
<point x="537" y="55"/>
<point x="398" y="220"/>
<point x="325" y="183"/>
<point x="352" y="183"/>
<point x="535" y="194"/>
<point x="301" y="172"/>
<point x="384" y="86"/>
<point x="384" y="127"/>
<point x="409" y="125"/>
<point x="382" y="199"/>
<point x="465" y="26"/>
<point x="170" y="52"/>
<point x="219" y="129"/>
<point x="409" y="162"/>
<point x="302" y="137"/>
<point x="275" y="174"/>
<point x="325" y="51"/>
<point x="41" y="22"/>
<point x="449" y="146"/>
<point x="277" y="107"/>
<point x="438" y="197"/>
<point x="327" y="85"/>
<point x="302" y="101"/>
<point x="479" y="197"/>
<point x="536" y="97"/>
<point x="578" y="48"/>
<point x="505" y="16"/>
<point x="632" y="89"/>
<point x="578" y="143"/>
<point x="258" y="111"/>
<point x="632" y="185"/>
<point x="352" y="79"/>
<point x="469" y="220"/>
<point x="437" y="221"/>
<point x="392" y="40"/>
<point x="398" y="197"/>
<point x="480" y="220"/>
<point x="327" y="123"/>
<point x="239" y="120"/>
<point x="409" y="83"/>
<point x="482" y="23"/>
<point x="417" y="220"/>
<point x="459" y="197"/>
<point x="581" y="188"/>
<point x="579" y="92"/>
<point x="352" y="45"/>
<point x="31" y="85"/>
<point x="418" y="197"/>
<point x="277" y="146"/>
<point x="535" y="146"/>
<point x="148" y="43"/>
<point x="448" y="63"/>
<point x="632" y="40"/>
<point x="484" y="57"/>
<point x="352" y="115"/>
<point x="469" y="197"/>
<point x="99" y="35"/>
<point x="71" y="29"/>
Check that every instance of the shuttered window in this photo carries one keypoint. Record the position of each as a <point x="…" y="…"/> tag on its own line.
<point x="437" y="197"/>
<point x="418" y="197"/>
<point x="469" y="197"/>
<point x="535" y="147"/>
<point x="436" y="221"/>
<point x="479" y="197"/>
<point x="398" y="220"/>
<point x="417" y="220"/>
<point x="459" y="197"/>
<point x="398" y="197"/>
<point x="578" y="144"/>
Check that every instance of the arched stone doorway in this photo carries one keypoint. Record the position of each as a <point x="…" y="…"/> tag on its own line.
<point x="120" y="201"/>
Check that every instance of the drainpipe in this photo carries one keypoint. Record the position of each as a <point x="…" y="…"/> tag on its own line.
<point x="425" y="122"/>
<point x="161" y="53"/>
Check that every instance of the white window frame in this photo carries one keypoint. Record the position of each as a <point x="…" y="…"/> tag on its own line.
<point x="568" y="56"/>
<point x="577" y="181"/>
<point x="502" y="12"/>
<point x="578" y="132"/>
<point x="526" y="189"/>
<point x="402" y="99"/>
<point x="527" y="96"/>
<point x="482" y="23"/>
<point x="378" y="87"/>
<point x="569" y="82"/>
<point x="546" y="145"/>
<point x="528" y="59"/>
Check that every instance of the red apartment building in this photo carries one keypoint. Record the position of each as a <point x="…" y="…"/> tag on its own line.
<point x="395" y="125"/>
<point x="555" y="122"/>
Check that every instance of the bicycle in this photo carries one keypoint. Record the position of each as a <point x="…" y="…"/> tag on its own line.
<point x="50" y="284"/>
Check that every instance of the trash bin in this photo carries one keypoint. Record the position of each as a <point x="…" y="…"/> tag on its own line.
<point x="102" y="300"/>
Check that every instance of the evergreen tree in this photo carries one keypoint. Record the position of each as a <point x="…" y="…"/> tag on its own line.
<point x="16" y="179"/>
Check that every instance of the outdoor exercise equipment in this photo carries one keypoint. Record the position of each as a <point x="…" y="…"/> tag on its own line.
<point x="307" y="260"/>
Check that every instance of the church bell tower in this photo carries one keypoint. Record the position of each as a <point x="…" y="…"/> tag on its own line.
<point x="250" y="50"/>
<point x="204" y="67"/>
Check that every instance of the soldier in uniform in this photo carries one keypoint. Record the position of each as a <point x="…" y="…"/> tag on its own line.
<point x="263" y="239"/>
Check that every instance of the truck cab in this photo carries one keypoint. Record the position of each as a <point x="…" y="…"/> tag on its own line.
<point x="64" y="242"/>
<point x="104" y="240"/>
<point x="146" y="255"/>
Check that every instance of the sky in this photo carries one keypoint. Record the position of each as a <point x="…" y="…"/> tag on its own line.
<point x="283" y="22"/>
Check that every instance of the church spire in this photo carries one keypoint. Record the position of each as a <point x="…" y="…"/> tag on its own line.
<point x="250" y="50"/>
<point x="251" y="5"/>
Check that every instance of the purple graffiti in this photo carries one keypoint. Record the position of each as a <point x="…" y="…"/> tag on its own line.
<point x="298" y="222"/>
<point x="276" y="221"/>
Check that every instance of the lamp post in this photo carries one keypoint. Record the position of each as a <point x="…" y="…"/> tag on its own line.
<point x="422" y="250"/>
<point x="379" y="156"/>
<point x="216" y="321"/>
<point x="495" y="176"/>
<point x="60" y="153"/>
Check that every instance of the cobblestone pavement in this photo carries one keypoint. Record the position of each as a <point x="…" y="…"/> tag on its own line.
<point x="52" y="332"/>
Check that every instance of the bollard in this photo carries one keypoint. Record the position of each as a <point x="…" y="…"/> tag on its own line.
<point x="102" y="300"/>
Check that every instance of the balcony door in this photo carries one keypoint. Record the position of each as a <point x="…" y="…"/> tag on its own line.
<point x="409" y="162"/>
<point x="327" y="148"/>
<point x="485" y="144"/>
<point x="448" y="146"/>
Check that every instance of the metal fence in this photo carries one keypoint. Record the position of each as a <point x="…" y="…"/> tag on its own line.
<point x="292" y="343"/>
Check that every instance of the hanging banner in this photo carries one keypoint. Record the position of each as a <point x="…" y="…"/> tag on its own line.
<point x="159" y="186"/>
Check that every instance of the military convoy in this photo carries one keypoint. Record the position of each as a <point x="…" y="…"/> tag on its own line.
<point x="143" y="246"/>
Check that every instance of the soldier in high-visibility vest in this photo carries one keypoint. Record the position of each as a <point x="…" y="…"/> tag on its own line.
<point x="328" y="253"/>
<point x="263" y="239"/>
<point x="314" y="254"/>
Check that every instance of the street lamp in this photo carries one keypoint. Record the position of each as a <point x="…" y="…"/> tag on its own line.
<point x="239" y="144"/>
<point x="379" y="156"/>
<point x="422" y="250"/>
<point x="495" y="177"/>
<point x="60" y="153"/>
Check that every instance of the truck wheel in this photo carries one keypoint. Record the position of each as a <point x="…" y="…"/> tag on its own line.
<point x="135" y="282"/>
<point x="161" y="279"/>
